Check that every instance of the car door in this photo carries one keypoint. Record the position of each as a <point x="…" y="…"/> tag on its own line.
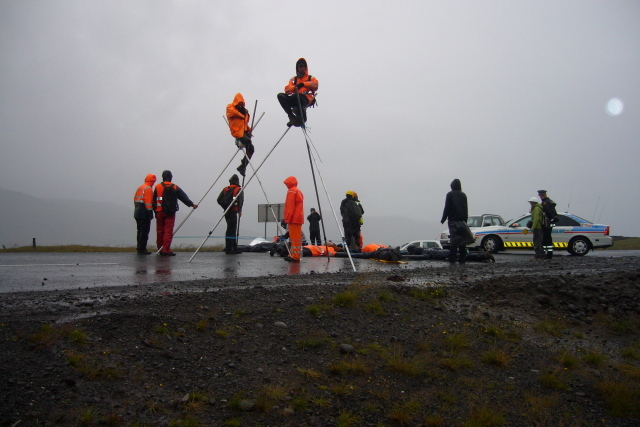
<point x="519" y="236"/>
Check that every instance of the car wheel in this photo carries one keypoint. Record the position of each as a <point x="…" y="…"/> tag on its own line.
<point x="491" y="244"/>
<point x="579" y="246"/>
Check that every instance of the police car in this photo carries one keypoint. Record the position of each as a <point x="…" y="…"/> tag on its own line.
<point x="572" y="233"/>
<point x="484" y="220"/>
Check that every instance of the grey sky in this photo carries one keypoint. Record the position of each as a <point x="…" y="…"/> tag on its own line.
<point x="509" y="97"/>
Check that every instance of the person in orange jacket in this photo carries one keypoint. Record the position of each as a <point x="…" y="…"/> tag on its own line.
<point x="238" y="118"/>
<point x="294" y="217"/>
<point x="301" y="84"/>
<point x="143" y="212"/>
<point x="166" y="220"/>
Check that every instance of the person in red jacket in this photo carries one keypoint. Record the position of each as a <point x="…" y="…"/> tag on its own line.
<point x="143" y="212"/>
<point x="294" y="217"/>
<point x="165" y="220"/>
<point x="301" y="84"/>
<point x="238" y="118"/>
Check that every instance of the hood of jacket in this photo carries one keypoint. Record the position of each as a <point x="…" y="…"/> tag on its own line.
<point x="237" y="99"/>
<point x="304" y="61"/>
<point x="150" y="179"/>
<point x="456" y="185"/>
<point x="291" y="182"/>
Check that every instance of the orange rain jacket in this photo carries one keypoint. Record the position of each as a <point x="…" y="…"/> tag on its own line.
<point x="320" y="250"/>
<point x="310" y="85"/>
<point x="371" y="247"/>
<point x="238" y="122"/>
<point x="144" y="193"/>
<point x="294" y="203"/>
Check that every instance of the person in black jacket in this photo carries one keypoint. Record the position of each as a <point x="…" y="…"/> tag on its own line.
<point x="351" y="215"/>
<point x="314" y="227"/>
<point x="456" y="211"/>
<point x="549" y="209"/>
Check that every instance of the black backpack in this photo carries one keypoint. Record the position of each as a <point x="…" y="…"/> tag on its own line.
<point x="169" y="199"/>
<point x="226" y="197"/>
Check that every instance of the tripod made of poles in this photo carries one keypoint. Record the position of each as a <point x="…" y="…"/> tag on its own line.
<point x="314" y="168"/>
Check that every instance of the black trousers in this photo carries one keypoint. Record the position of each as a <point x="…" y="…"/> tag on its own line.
<point x="231" y="240"/>
<point x="290" y="102"/>
<point x="144" y="226"/>
<point x="547" y="242"/>
<point x="314" y="236"/>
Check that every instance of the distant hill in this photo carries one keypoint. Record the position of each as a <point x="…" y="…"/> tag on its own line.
<point x="66" y="222"/>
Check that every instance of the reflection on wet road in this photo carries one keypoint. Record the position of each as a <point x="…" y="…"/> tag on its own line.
<point x="57" y="271"/>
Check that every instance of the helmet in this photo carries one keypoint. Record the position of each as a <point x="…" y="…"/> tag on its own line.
<point x="533" y="199"/>
<point x="351" y="193"/>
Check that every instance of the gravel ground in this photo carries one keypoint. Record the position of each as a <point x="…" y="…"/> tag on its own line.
<point x="524" y="343"/>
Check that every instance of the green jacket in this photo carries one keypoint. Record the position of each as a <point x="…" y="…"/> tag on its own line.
<point x="536" y="216"/>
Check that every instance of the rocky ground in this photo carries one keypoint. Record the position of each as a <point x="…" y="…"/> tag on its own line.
<point x="527" y="343"/>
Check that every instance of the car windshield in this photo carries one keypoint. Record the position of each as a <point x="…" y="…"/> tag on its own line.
<point x="474" y="221"/>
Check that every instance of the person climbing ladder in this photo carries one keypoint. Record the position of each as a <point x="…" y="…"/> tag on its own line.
<point x="238" y="118"/>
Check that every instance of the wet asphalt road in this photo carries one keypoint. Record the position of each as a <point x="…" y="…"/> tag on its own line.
<point x="58" y="271"/>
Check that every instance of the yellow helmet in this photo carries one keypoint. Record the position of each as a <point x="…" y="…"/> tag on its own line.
<point x="351" y="193"/>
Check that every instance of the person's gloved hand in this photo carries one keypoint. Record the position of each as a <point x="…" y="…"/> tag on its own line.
<point x="299" y="85"/>
<point x="241" y="109"/>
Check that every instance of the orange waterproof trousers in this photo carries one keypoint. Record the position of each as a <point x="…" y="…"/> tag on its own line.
<point x="295" y="237"/>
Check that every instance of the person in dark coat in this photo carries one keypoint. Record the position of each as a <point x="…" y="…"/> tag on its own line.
<point x="549" y="209"/>
<point x="232" y="215"/>
<point x="456" y="212"/>
<point x="351" y="215"/>
<point x="314" y="227"/>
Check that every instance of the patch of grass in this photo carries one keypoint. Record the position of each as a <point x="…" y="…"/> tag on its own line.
<point x="239" y="313"/>
<point x="234" y="402"/>
<point x="196" y="401"/>
<point x="45" y="337"/>
<point x="485" y="416"/>
<point x="341" y="389"/>
<point x="162" y="329"/>
<point x="386" y="296"/>
<point x="268" y="396"/>
<point x="316" y="309"/>
<point x="621" y="398"/>
<point x="631" y="352"/>
<point x="87" y="417"/>
<point x="433" y="421"/>
<point x="346" y="298"/>
<point x="376" y="308"/>
<point x="312" y="339"/>
<point x="221" y="333"/>
<point x="186" y="421"/>
<point x="321" y="402"/>
<point x="621" y="327"/>
<point x="348" y="419"/>
<point x="232" y="422"/>
<point x="397" y="362"/>
<point x="553" y="327"/>
<point x="455" y="363"/>
<point x="310" y="374"/>
<point x="405" y="413"/>
<point x="539" y="408"/>
<point x="496" y="357"/>
<point x="201" y="325"/>
<point x="594" y="358"/>
<point x="456" y="342"/>
<point x="631" y="371"/>
<point x="579" y="335"/>
<point x="348" y="366"/>
<point x="568" y="360"/>
<point x="78" y="337"/>
<point x="553" y="381"/>
<point x="426" y="293"/>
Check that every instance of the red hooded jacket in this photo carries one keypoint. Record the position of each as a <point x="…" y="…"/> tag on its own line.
<point x="294" y="203"/>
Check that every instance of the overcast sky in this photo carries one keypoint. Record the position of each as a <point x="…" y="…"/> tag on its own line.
<point x="509" y="97"/>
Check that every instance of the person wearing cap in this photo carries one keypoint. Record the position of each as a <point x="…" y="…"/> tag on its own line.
<point x="536" y="224"/>
<point x="299" y="92"/>
<point x="456" y="213"/>
<point x="238" y="118"/>
<point x="549" y="209"/>
<point x="294" y="217"/>
<point x="351" y="215"/>
<point x="314" y="227"/>
<point x="232" y="215"/>
<point x="143" y="212"/>
<point x="165" y="220"/>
